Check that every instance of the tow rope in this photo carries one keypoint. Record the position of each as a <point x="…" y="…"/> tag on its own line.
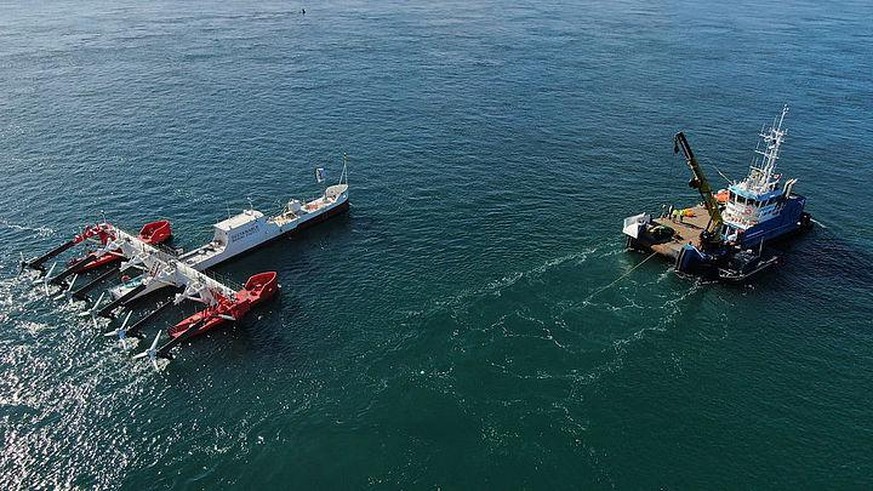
<point x="620" y="277"/>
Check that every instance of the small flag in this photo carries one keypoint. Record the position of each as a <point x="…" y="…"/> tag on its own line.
<point x="319" y="175"/>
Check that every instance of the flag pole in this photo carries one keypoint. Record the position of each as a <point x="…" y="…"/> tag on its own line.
<point x="344" y="174"/>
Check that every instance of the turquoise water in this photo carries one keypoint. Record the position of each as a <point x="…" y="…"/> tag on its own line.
<point x="449" y="332"/>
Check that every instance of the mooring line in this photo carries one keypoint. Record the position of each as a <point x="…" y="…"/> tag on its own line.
<point x="620" y="277"/>
<point x="813" y="220"/>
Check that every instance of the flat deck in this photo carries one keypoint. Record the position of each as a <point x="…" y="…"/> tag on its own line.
<point x="688" y="230"/>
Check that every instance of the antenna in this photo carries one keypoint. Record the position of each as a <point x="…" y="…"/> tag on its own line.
<point x="782" y="117"/>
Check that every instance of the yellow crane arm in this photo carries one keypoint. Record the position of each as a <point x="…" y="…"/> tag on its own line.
<point x="699" y="182"/>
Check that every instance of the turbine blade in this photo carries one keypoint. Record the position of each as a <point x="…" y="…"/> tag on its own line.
<point x="155" y="342"/>
<point x="51" y="270"/>
<point x="72" y="282"/>
<point x="126" y="319"/>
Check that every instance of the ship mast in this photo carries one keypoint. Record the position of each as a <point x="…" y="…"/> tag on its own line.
<point x="761" y="175"/>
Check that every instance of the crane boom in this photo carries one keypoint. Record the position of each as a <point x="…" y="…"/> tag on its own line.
<point x="699" y="182"/>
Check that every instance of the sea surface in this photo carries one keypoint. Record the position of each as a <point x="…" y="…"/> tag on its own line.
<point x="459" y="328"/>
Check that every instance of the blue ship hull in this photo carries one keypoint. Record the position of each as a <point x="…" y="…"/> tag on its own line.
<point x="790" y="219"/>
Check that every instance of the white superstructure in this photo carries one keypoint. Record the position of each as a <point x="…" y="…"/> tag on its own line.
<point x="250" y="229"/>
<point x="758" y="197"/>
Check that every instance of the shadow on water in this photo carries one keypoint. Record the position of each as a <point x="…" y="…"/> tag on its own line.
<point x="814" y="261"/>
<point x="264" y="332"/>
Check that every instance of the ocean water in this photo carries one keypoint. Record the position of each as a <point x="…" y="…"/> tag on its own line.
<point x="452" y="331"/>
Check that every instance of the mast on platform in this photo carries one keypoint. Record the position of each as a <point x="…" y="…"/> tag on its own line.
<point x="762" y="173"/>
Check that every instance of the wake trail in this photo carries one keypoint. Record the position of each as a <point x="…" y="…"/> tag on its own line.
<point x="40" y="231"/>
<point x="497" y="286"/>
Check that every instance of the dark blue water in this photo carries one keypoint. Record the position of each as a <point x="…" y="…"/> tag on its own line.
<point x="450" y="331"/>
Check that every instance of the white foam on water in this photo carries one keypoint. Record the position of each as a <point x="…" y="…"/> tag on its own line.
<point x="39" y="231"/>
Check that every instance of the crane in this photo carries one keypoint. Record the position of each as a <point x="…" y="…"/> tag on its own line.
<point x="710" y="235"/>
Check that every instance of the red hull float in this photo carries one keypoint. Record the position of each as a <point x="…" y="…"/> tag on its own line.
<point x="258" y="288"/>
<point x="152" y="233"/>
<point x="102" y="231"/>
